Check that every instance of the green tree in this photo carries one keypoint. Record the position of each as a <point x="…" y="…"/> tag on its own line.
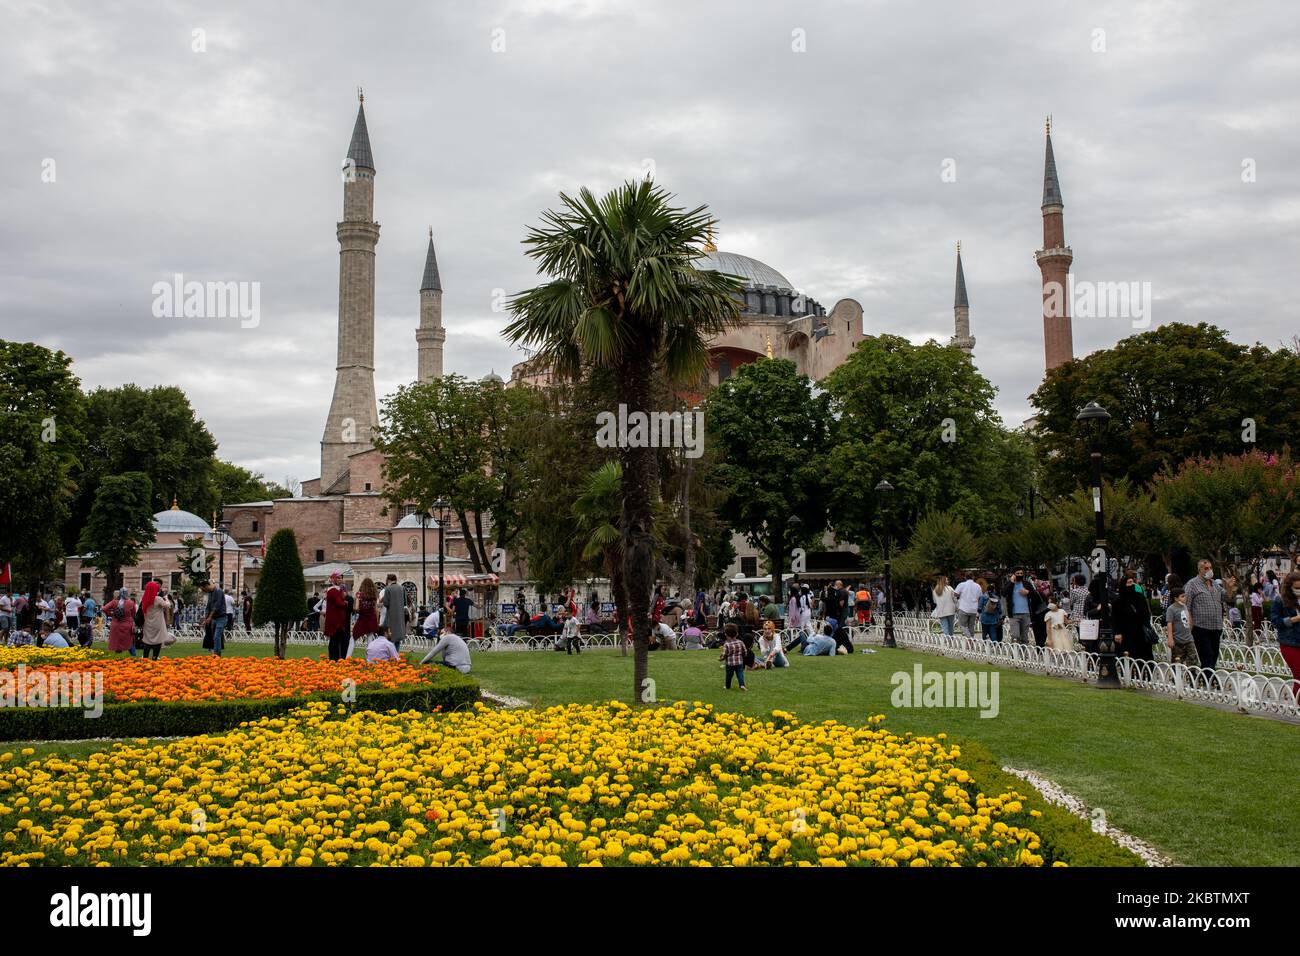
<point x="149" y="430"/>
<point x="1232" y="508"/>
<point x="625" y="295"/>
<point x="921" y="417"/>
<point x="42" y="421"/>
<point x="941" y="544"/>
<point x="120" y="525"/>
<point x="596" y="515"/>
<point x="194" y="562"/>
<point x="770" y="430"/>
<point x="281" y="596"/>
<point x="229" y="484"/>
<point x="1173" y="393"/>
<point x="460" y="440"/>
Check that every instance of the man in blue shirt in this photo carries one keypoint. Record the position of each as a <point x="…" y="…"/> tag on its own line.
<point x="1017" y="604"/>
<point x="820" y="644"/>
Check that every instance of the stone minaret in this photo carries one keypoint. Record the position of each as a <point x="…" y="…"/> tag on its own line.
<point x="353" y="410"/>
<point x="1054" y="261"/>
<point x="961" y="312"/>
<point x="430" y="335"/>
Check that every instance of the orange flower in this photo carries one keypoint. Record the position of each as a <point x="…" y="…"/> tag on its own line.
<point x="236" y="678"/>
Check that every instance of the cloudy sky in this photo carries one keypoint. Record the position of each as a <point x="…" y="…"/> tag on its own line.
<point x="818" y="132"/>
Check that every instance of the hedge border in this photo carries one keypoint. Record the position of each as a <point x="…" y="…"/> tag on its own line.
<point x="449" y="690"/>
<point x="1066" y="838"/>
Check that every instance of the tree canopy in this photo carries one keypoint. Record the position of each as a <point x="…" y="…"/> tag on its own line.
<point x="42" y="422"/>
<point x="1174" y="393"/>
<point x="120" y="525"/>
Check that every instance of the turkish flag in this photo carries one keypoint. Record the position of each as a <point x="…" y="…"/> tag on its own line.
<point x="5" y="577"/>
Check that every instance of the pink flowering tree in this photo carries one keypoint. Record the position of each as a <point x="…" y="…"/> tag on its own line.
<point x="1232" y="509"/>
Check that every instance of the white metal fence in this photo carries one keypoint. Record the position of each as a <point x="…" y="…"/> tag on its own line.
<point x="1254" y="690"/>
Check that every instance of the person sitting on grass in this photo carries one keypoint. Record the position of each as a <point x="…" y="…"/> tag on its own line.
<point x="693" y="638"/>
<point x="822" y="644"/>
<point x="51" y="637"/>
<point x="452" y="647"/>
<point x="733" y="655"/>
<point x="662" y="637"/>
<point x="771" y="653"/>
<point x="380" y="648"/>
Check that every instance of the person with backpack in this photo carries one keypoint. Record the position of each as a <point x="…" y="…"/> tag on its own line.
<point x="991" y="615"/>
<point x="120" y="613"/>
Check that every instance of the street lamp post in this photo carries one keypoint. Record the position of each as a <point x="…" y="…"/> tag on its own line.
<point x="793" y="529"/>
<point x="441" y="506"/>
<point x="1094" y="417"/>
<point x="220" y="528"/>
<point x="424" y="574"/>
<point x="884" y="489"/>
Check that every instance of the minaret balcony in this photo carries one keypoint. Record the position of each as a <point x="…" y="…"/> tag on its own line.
<point x="1059" y="252"/>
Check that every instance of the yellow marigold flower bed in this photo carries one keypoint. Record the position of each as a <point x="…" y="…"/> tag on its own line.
<point x="588" y="785"/>
<point x="33" y="656"/>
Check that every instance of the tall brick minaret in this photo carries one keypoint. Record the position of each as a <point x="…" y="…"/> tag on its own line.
<point x="961" y="312"/>
<point x="353" y="410"/>
<point x="430" y="335"/>
<point x="1054" y="261"/>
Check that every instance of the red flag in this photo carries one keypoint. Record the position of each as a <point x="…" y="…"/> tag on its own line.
<point x="4" y="574"/>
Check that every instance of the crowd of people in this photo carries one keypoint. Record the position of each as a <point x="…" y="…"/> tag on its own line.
<point x="1027" y="607"/>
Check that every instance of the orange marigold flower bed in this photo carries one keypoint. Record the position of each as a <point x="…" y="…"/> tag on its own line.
<point x="238" y="678"/>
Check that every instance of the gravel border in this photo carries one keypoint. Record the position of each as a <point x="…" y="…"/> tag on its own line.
<point x="1055" y="793"/>
<point x="504" y="701"/>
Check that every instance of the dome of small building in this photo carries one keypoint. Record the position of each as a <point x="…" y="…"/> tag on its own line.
<point x="413" y="521"/>
<point x="491" y="378"/>
<point x="176" y="521"/>
<point x="757" y="275"/>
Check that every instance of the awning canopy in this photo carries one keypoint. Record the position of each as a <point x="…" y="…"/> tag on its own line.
<point x="466" y="580"/>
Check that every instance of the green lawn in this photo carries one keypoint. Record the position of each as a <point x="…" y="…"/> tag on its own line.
<point x="1206" y="787"/>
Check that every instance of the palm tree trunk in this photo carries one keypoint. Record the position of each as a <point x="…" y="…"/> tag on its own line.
<point x="640" y="477"/>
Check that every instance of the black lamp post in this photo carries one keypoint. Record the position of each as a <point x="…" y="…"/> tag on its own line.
<point x="1094" y="418"/>
<point x="424" y="574"/>
<point x="221" y="528"/>
<point x="441" y="506"/>
<point x="794" y="527"/>
<point x="884" y="489"/>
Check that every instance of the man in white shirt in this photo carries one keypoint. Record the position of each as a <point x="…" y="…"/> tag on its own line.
<point x="665" y="635"/>
<point x="72" y="612"/>
<point x="968" y="605"/>
<point x="381" y="648"/>
<point x="432" y="623"/>
<point x="6" y="613"/>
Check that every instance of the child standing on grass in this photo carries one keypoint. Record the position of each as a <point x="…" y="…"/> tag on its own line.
<point x="733" y="655"/>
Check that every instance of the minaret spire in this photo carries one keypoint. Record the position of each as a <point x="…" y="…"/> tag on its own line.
<point x="430" y="335"/>
<point x="1054" y="263"/>
<point x="961" y="311"/>
<point x="353" y="410"/>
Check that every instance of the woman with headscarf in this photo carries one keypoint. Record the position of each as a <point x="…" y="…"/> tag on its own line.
<point x="155" y="609"/>
<point x="120" y="614"/>
<point x="1130" y="616"/>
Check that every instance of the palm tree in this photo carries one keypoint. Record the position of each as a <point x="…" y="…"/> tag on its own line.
<point x="624" y="295"/>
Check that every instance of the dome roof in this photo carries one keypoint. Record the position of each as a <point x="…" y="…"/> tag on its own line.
<point x="173" y="520"/>
<point x="413" y="521"/>
<point x="756" y="274"/>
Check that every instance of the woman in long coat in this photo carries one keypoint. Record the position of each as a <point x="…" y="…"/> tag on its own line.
<point x="1129" y="617"/>
<point x="156" y="610"/>
<point x="120" y="614"/>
